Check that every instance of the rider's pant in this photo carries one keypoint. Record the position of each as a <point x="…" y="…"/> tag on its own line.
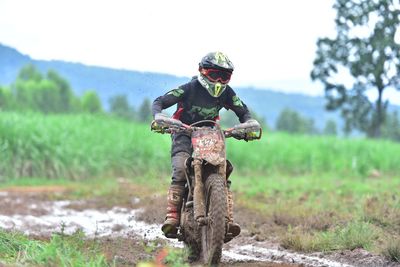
<point x="181" y="150"/>
<point x="178" y="168"/>
<point x="181" y="142"/>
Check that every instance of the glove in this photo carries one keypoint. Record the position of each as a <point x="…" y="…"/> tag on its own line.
<point x="248" y="126"/>
<point x="253" y="123"/>
<point x="160" y="117"/>
<point x="157" y="127"/>
<point x="163" y="120"/>
<point x="251" y="136"/>
<point x="253" y="127"/>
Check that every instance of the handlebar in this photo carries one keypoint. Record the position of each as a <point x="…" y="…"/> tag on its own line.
<point x="240" y="131"/>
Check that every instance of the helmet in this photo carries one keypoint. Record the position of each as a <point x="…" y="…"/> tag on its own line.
<point x="216" y="60"/>
<point x="215" y="72"/>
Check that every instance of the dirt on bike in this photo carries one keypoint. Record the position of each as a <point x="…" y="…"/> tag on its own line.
<point x="203" y="222"/>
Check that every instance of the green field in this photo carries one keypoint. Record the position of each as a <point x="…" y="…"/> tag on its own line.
<point x="82" y="146"/>
<point x="320" y="193"/>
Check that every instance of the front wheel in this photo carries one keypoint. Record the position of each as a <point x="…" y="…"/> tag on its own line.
<point x="213" y="234"/>
<point x="191" y="233"/>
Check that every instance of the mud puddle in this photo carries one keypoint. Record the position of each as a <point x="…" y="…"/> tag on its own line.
<point x="34" y="215"/>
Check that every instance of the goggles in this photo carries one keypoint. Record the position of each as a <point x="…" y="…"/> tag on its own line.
<point x="215" y="75"/>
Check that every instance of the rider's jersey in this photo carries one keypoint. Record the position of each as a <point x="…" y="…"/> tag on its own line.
<point x="195" y="103"/>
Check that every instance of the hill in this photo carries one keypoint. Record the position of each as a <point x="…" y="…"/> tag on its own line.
<point x="106" y="81"/>
<point x="140" y="85"/>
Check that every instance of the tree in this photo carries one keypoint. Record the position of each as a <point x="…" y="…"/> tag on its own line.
<point x="391" y="128"/>
<point x="330" y="128"/>
<point x="6" y="99"/>
<point x="119" y="106"/>
<point x="144" y="113"/>
<point x="29" y="72"/>
<point x="364" y="54"/>
<point x="46" y="96"/>
<point x="292" y="122"/>
<point x="23" y="92"/>
<point x="91" y="102"/>
<point x="51" y="94"/>
<point x="67" y="100"/>
<point x="25" y="86"/>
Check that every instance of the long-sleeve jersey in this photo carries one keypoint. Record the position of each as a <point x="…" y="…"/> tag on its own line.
<point x="195" y="103"/>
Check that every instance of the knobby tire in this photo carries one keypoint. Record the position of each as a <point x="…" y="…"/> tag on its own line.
<point x="214" y="232"/>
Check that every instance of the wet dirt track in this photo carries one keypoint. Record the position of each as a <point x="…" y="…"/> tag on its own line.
<point x="134" y="227"/>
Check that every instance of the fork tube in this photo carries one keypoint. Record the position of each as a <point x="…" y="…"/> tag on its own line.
<point x="199" y="207"/>
<point x="222" y="170"/>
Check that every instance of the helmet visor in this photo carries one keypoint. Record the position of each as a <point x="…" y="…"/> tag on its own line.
<point x="215" y="75"/>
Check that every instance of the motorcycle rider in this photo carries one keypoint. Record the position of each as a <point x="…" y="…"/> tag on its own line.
<point x="200" y="99"/>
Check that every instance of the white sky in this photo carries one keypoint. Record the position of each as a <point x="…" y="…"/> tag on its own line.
<point x="271" y="43"/>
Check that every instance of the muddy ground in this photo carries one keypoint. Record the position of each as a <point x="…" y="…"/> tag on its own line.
<point x="128" y="228"/>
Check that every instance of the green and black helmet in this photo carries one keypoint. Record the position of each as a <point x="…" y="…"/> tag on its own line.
<point x="215" y="72"/>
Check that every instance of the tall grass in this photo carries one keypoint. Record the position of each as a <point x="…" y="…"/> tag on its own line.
<point x="79" y="146"/>
<point x="301" y="154"/>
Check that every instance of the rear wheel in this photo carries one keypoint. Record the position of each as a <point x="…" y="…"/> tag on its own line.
<point x="214" y="232"/>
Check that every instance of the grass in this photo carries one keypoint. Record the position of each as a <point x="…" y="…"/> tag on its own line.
<point x="296" y="155"/>
<point x="350" y="236"/>
<point x="392" y="250"/>
<point x="76" y="147"/>
<point x="315" y="194"/>
<point x="354" y="223"/>
<point x="167" y="256"/>
<point x="326" y="213"/>
<point x="60" y="250"/>
<point x="107" y="192"/>
<point x="82" y="146"/>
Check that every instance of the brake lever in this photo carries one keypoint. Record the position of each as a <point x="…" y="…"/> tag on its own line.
<point x="159" y="127"/>
<point x="257" y="137"/>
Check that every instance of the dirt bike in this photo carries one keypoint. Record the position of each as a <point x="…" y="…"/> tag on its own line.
<point x="203" y="222"/>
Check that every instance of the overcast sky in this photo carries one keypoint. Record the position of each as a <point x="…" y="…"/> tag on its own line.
<point x="271" y="43"/>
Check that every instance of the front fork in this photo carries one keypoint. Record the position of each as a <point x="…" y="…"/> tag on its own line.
<point x="198" y="194"/>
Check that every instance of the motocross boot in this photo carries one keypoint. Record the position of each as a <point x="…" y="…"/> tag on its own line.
<point x="175" y="196"/>
<point x="233" y="228"/>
